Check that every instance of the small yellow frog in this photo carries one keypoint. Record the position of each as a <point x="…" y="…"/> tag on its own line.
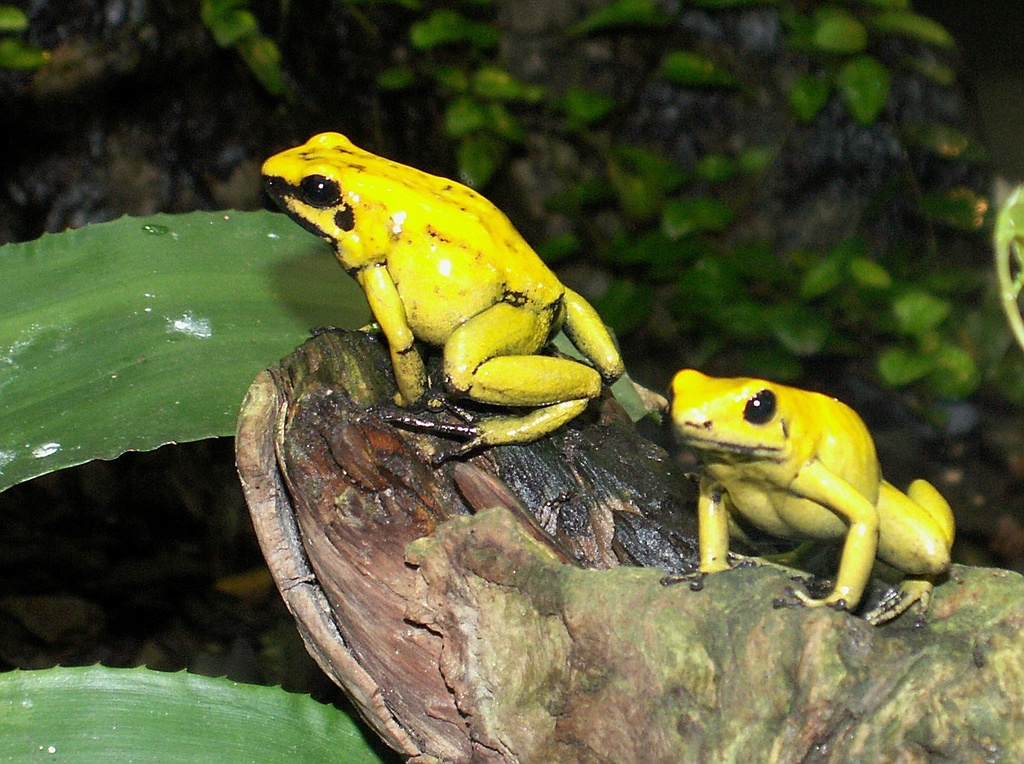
<point x="442" y="265"/>
<point x="801" y="465"/>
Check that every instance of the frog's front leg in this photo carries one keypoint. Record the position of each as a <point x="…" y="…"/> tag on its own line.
<point x="389" y="311"/>
<point x="822" y="486"/>
<point x="491" y="358"/>
<point x="713" y="527"/>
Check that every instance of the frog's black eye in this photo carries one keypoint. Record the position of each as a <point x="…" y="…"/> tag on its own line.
<point x="761" y="408"/>
<point x="318" y="191"/>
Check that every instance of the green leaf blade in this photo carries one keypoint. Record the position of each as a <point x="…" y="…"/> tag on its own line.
<point x="145" y="331"/>
<point x="97" y="714"/>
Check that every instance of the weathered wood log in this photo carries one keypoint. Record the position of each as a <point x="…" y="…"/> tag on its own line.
<point x="491" y="609"/>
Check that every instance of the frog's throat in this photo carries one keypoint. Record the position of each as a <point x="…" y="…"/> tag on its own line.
<point x="732" y="448"/>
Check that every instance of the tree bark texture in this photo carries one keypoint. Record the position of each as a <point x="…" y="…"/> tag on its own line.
<point x="513" y="607"/>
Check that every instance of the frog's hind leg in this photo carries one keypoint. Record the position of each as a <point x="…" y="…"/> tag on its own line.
<point x="492" y="358"/>
<point x="917" y="531"/>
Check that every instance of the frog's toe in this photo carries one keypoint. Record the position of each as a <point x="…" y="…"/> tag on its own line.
<point x="794" y="598"/>
<point x="912" y="593"/>
<point x="694" y="579"/>
<point x="424" y="422"/>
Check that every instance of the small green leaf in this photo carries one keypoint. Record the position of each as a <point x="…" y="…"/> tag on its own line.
<point x="583" y="194"/>
<point x="641" y="180"/>
<point x="560" y="247"/>
<point x="822" y="277"/>
<point x="959" y="208"/>
<point x="808" y="95"/>
<point x="730" y="3"/>
<point x="263" y="58"/>
<point x="918" y="312"/>
<point x="898" y="366"/>
<point x="936" y="71"/>
<point x="229" y="22"/>
<point x="869" y="274"/>
<point x="954" y="374"/>
<point x="499" y="84"/>
<point x="681" y="217"/>
<point x="479" y="156"/>
<point x="864" y="85"/>
<point x="451" y="77"/>
<point x="625" y="306"/>
<point x="910" y="24"/>
<point x="715" y="168"/>
<point x="501" y="122"/>
<point x="945" y="141"/>
<point x="15" y="54"/>
<point x="837" y="31"/>
<point x="395" y="78"/>
<point x="583" y="108"/>
<point x="684" y="67"/>
<point x="12" y="19"/>
<point x="705" y="287"/>
<point x="622" y="14"/>
<point x="755" y="159"/>
<point x="446" y="27"/>
<point x="464" y="115"/>
<point x="798" y="328"/>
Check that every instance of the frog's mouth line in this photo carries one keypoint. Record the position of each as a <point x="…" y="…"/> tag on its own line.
<point x="700" y="443"/>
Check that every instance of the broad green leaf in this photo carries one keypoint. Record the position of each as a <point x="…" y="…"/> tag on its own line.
<point x="145" y="331"/>
<point x="959" y="208"/>
<point x="684" y="67"/>
<point x="911" y="25"/>
<point x="807" y="96"/>
<point x="98" y="715"/>
<point x="837" y="31"/>
<point x="918" y="312"/>
<point x="898" y="366"/>
<point x="864" y="85"/>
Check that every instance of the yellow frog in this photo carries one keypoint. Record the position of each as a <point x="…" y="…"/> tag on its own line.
<point x="442" y="265"/>
<point x="801" y="465"/>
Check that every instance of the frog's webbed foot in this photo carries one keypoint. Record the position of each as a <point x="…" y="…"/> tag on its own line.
<point x="695" y="580"/>
<point x="913" y="593"/>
